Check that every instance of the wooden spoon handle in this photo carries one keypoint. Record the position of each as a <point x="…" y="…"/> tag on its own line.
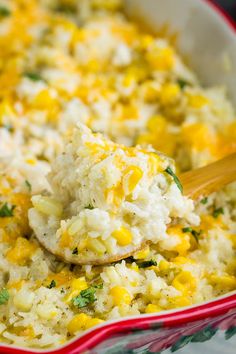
<point x="205" y="180"/>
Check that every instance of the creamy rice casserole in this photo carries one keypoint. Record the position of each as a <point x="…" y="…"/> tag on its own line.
<point x="90" y="106"/>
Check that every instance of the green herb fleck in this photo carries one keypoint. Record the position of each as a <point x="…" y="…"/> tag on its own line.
<point x="6" y="210"/>
<point x="4" y="296"/>
<point x="52" y="284"/>
<point x="33" y="76"/>
<point x="195" y="233"/>
<point x="86" y="297"/>
<point x="147" y="264"/>
<point x="90" y="207"/>
<point x="28" y="185"/>
<point x="182" y="83"/>
<point x="217" y="212"/>
<point x="9" y="127"/>
<point x="75" y="250"/>
<point x="176" y="180"/>
<point x="204" y="200"/>
<point x="4" y="11"/>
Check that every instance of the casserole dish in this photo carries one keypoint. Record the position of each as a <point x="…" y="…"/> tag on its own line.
<point x="198" y="25"/>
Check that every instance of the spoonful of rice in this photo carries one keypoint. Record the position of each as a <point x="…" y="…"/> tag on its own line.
<point x="108" y="201"/>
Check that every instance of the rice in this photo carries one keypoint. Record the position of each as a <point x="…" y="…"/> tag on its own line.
<point x="87" y="97"/>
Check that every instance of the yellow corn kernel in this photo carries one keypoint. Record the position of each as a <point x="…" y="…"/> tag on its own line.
<point x="184" y="240"/>
<point x="179" y="301"/>
<point x="47" y="205"/>
<point x="164" y="265"/>
<point x="77" y="285"/>
<point x="160" y="58"/>
<point x="6" y="111"/>
<point x="185" y="282"/>
<point x="44" y="100"/>
<point x="111" y="5"/>
<point x="182" y="260"/>
<point x="132" y="175"/>
<point x="123" y="236"/>
<point x="150" y="308"/>
<point x="96" y="246"/>
<point x="130" y="111"/>
<point x="21" y="252"/>
<point x="145" y="41"/>
<point x="93" y="322"/>
<point x="120" y="296"/>
<point x="31" y="161"/>
<point x="197" y="101"/>
<point x="78" y="323"/>
<point x="142" y="254"/>
<point x="156" y="124"/>
<point x="151" y="91"/>
<point x="169" y="93"/>
<point x="223" y="281"/>
<point x="65" y="240"/>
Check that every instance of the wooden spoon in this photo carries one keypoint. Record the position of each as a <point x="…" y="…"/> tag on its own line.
<point x="205" y="180"/>
<point x="196" y="183"/>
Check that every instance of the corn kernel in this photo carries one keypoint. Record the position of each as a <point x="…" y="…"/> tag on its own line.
<point x="156" y="124"/>
<point x="197" y="101"/>
<point x="132" y="175"/>
<point x="185" y="282"/>
<point x="78" y="323"/>
<point x="150" y="308"/>
<point x="142" y="254"/>
<point x="169" y="93"/>
<point x="21" y="252"/>
<point x="160" y="58"/>
<point x="223" y="281"/>
<point x="179" y="301"/>
<point x="47" y="205"/>
<point x="44" y="100"/>
<point x="164" y="265"/>
<point x="93" y="322"/>
<point x="120" y="296"/>
<point x="46" y="311"/>
<point x="123" y="236"/>
<point x="77" y="285"/>
<point x="23" y="300"/>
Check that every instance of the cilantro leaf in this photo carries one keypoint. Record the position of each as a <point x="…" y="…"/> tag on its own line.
<point x="6" y="210"/>
<point x="90" y="207"/>
<point x="4" y="11"/>
<point x="4" y="296"/>
<point x="147" y="264"/>
<point x="217" y="212"/>
<point x="28" y="185"/>
<point x="182" y="83"/>
<point x="75" y="250"/>
<point x="204" y="200"/>
<point x="195" y="233"/>
<point x="33" y="76"/>
<point x="175" y="178"/>
<point x="86" y="297"/>
<point x="52" y="284"/>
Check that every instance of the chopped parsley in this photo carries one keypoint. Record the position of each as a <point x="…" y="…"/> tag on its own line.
<point x="9" y="127"/>
<point x="217" y="212"/>
<point x="4" y="296"/>
<point x="4" y="11"/>
<point x="176" y="180"/>
<point x="195" y="233"/>
<point x="33" y="76"/>
<point x="147" y="264"/>
<point x="6" y="210"/>
<point x="86" y="297"/>
<point x="52" y="284"/>
<point x="90" y="207"/>
<point x="204" y="200"/>
<point x="182" y="83"/>
<point x="28" y="185"/>
<point x="75" y="250"/>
